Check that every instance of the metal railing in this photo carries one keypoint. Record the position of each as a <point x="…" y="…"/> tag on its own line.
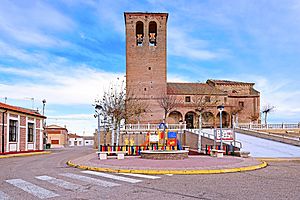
<point x="141" y="127"/>
<point x="208" y="133"/>
<point x="270" y="126"/>
<point x="135" y="150"/>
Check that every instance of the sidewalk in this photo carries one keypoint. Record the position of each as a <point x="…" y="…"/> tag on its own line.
<point x="24" y="154"/>
<point x="192" y="165"/>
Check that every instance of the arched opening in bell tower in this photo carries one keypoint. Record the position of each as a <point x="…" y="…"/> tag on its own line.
<point x="139" y="29"/>
<point x="152" y="33"/>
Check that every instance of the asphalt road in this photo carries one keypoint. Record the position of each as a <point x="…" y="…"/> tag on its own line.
<point x="48" y="177"/>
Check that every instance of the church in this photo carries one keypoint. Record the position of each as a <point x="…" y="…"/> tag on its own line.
<point x="146" y="77"/>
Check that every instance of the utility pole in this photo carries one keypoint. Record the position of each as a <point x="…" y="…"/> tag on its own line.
<point x="98" y="108"/>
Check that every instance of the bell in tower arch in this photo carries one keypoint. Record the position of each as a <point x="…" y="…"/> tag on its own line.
<point x="139" y="33"/>
<point x="152" y="33"/>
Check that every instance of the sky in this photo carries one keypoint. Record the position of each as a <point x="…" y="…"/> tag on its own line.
<point x="70" y="51"/>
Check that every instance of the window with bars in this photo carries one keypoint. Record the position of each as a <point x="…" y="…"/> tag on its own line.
<point x="13" y="124"/>
<point x="30" y="132"/>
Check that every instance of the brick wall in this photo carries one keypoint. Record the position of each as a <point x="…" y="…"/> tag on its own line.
<point x="22" y="138"/>
<point x="146" y="65"/>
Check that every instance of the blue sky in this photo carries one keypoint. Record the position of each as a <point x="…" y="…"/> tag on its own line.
<point x="68" y="52"/>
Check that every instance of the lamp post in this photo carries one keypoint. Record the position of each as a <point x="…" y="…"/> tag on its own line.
<point x="44" y="125"/>
<point x="97" y="114"/>
<point x="221" y="108"/>
<point x="200" y="129"/>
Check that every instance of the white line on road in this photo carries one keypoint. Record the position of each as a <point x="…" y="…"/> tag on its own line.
<point x="3" y="196"/>
<point x="61" y="183"/>
<point x="90" y="180"/>
<point x="119" y="178"/>
<point x="141" y="175"/>
<point x="32" y="189"/>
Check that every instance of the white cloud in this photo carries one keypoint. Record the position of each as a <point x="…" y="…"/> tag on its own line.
<point x="177" y="78"/>
<point x="183" y="45"/>
<point x="77" y="85"/>
<point x="33" y="23"/>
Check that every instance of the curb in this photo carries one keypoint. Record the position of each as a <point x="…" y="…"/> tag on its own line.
<point x="279" y="159"/>
<point x="182" y="172"/>
<point x="24" y="154"/>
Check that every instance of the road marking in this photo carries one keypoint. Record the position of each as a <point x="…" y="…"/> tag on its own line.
<point x="90" y="180"/>
<point x="61" y="183"/>
<point x="3" y="196"/>
<point x="32" y="189"/>
<point x="141" y="175"/>
<point x="169" y="174"/>
<point x="119" y="178"/>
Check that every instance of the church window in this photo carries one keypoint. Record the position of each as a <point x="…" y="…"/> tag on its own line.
<point x="139" y="29"/>
<point x="152" y="33"/>
<point x="187" y="99"/>
<point x="145" y="89"/>
<point x="149" y="68"/>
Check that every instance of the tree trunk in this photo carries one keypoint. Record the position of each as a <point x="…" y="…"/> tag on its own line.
<point x="266" y="114"/>
<point x="200" y="130"/>
<point x="118" y="133"/>
<point x="113" y="132"/>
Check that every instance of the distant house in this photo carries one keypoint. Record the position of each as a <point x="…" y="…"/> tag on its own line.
<point x="88" y="140"/>
<point x="21" y="129"/>
<point x="57" y="135"/>
<point x="75" y="140"/>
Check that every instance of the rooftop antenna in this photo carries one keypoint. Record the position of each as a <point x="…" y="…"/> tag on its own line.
<point x="32" y="101"/>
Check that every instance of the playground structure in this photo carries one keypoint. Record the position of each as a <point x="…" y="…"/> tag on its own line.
<point x="168" y="146"/>
<point x="137" y="138"/>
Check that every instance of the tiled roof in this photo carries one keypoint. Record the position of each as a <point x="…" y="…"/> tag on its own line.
<point x="192" y="89"/>
<point x="53" y="126"/>
<point x="227" y="82"/>
<point x="72" y="135"/>
<point x="21" y="110"/>
<point x="254" y="92"/>
<point x="88" y="137"/>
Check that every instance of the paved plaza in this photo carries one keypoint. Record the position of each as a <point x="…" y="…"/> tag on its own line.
<point x="48" y="177"/>
<point x="148" y="165"/>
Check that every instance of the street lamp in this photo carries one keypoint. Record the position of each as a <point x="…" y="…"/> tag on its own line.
<point x="45" y="135"/>
<point x="97" y="114"/>
<point x="220" y="109"/>
<point x="200" y="128"/>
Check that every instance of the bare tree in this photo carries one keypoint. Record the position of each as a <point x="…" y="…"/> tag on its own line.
<point x="168" y="103"/>
<point x="266" y="110"/>
<point x="234" y="114"/>
<point x="254" y="117"/>
<point x="135" y="107"/>
<point x="118" y="105"/>
<point x="202" y="103"/>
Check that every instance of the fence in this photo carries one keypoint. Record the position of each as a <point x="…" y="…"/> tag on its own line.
<point x="149" y="127"/>
<point x="135" y="150"/>
<point x="270" y="126"/>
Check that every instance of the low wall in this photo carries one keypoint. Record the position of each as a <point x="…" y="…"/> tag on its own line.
<point x="269" y="136"/>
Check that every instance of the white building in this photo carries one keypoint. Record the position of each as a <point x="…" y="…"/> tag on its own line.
<point x="88" y="140"/>
<point x="75" y="140"/>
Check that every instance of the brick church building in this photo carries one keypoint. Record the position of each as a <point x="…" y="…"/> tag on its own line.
<point x="146" y="77"/>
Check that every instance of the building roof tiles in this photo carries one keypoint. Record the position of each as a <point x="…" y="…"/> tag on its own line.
<point x="192" y="89"/>
<point x="21" y="110"/>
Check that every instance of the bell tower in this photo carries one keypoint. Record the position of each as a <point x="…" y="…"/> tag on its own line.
<point x="146" y="59"/>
